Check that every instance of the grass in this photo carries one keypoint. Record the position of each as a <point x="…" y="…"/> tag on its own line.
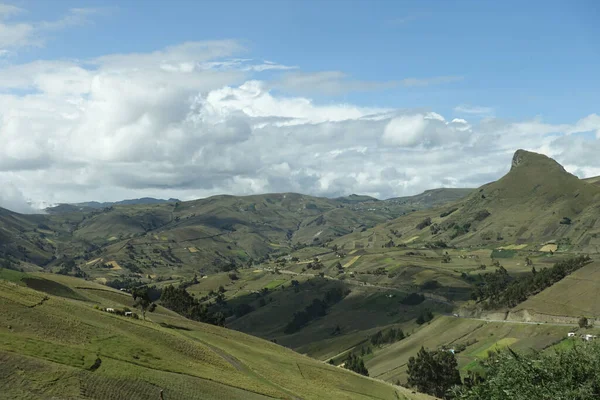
<point x="48" y="350"/>
<point x="576" y="295"/>
<point x="389" y="363"/>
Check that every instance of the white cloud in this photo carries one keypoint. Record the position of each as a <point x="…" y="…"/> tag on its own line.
<point x="12" y="199"/>
<point x="17" y="34"/>
<point x="337" y="82"/>
<point x="8" y="10"/>
<point x="192" y="120"/>
<point x="475" y="110"/>
<point x="405" y="130"/>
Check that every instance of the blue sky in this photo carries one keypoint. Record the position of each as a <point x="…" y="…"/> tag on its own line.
<point x="520" y="58"/>
<point x="105" y="100"/>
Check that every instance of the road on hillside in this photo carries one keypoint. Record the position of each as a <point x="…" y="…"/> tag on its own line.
<point x="512" y="322"/>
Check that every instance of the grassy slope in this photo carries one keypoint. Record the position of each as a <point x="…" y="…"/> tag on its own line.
<point x="389" y="362"/>
<point x="525" y="206"/>
<point x="48" y="344"/>
<point x="576" y="295"/>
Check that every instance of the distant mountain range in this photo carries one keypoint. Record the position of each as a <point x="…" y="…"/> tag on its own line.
<point x="71" y="207"/>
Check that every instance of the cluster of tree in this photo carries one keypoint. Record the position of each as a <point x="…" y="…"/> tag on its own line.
<point x="434" y="372"/>
<point x="180" y="301"/>
<point x="425" y="316"/>
<point x="392" y="335"/>
<point x="356" y="364"/>
<point x="318" y="308"/>
<point x="459" y="229"/>
<point x="571" y="373"/>
<point x="124" y="283"/>
<point x="413" y="299"/>
<point x="143" y="300"/>
<point x="438" y="244"/>
<point x="69" y="268"/>
<point x="315" y="264"/>
<point x="499" y="289"/>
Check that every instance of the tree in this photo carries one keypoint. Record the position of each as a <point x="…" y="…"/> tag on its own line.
<point x="142" y="300"/>
<point x="356" y="364"/>
<point x="570" y="373"/>
<point x="583" y="322"/>
<point x="433" y="372"/>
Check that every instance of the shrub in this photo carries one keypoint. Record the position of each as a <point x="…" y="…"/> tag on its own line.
<point x="566" y="221"/>
<point x="481" y="215"/>
<point x="423" y="224"/>
<point x="448" y="212"/>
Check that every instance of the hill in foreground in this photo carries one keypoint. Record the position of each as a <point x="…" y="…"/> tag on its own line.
<point x="56" y="342"/>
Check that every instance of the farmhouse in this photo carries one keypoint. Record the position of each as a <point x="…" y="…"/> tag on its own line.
<point x="589" y="337"/>
<point x="110" y="310"/>
<point x="128" y="314"/>
<point x="571" y="334"/>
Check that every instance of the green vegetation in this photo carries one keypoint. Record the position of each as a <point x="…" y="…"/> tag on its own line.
<point x="318" y="308"/>
<point x="498" y="289"/>
<point x="569" y="373"/>
<point x="356" y="364"/>
<point x="180" y="301"/>
<point x="433" y="372"/>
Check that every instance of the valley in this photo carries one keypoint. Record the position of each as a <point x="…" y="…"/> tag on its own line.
<point x="301" y="284"/>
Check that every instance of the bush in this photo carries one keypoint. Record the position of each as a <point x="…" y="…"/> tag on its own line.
<point x="424" y="224"/>
<point x="448" y="212"/>
<point x="566" y="221"/>
<point x="481" y="215"/>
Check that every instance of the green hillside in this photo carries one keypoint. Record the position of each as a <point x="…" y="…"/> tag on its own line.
<point x="178" y="239"/>
<point x="57" y="342"/>
<point x="536" y="203"/>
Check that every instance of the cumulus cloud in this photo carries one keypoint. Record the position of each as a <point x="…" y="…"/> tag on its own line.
<point x="194" y="120"/>
<point x="12" y="199"/>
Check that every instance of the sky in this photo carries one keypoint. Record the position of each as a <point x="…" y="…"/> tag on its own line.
<point x="108" y="100"/>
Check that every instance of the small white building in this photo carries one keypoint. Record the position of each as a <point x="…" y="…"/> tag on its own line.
<point x="110" y="310"/>
<point x="571" y="334"/>
<point x="589" y="337"/>
<point x="128" y="313"/>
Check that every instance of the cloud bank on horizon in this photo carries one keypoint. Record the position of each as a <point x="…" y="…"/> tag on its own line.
<point x="194" y="119"/>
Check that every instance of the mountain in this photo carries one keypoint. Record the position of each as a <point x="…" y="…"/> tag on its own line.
<point x="90" y="205"/>
<point x="162" y="238"/>
<point x="432" y="198"/>
<point x="536" y="202"/>
<point x="594" y="180"/>
<point x="57" y="341"/>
